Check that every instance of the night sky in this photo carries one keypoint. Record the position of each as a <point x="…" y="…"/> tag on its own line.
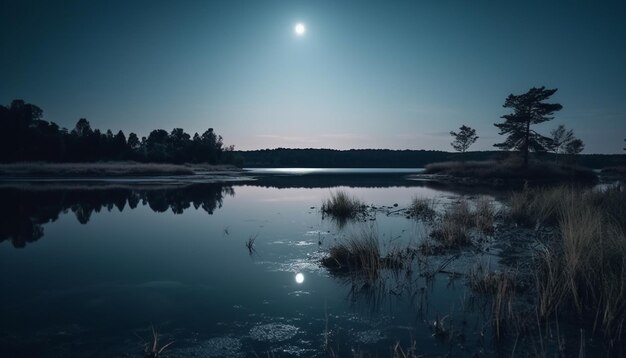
<point x="383" y="74"/>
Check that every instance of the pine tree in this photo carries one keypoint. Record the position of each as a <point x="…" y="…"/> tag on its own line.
<point x="528" y="109"/>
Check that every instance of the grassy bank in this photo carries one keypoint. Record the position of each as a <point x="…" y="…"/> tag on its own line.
<point x="107" y="169"/>
<point x="511" y="172"/>
<point x="561" y="267"/>
<point x="582" y="271"/>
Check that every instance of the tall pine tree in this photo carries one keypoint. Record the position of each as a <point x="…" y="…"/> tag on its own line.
<point x="528" y="109"/>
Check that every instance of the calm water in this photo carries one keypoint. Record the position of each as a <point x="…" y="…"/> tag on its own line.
<point x="88" y="268"/>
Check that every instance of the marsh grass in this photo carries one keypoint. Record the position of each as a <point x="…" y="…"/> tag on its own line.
<point x="360" y="252"/>
<point x="537" y="206"/>
<point x="484" y="215"/>
<point x="423" y="208"/>
<point x="500" y="286"/>
<point x="340" y="205"/>
<point x="584" y="269"/>
<point x="453" y="230"/>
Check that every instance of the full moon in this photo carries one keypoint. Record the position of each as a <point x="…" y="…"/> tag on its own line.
<point x="299" y="278"/>
<point x="300" y="29"/>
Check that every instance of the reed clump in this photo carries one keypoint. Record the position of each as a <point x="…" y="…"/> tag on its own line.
<point x="484" y="215"/>
<point x="500" y="285"/>
<point x="359" y="252"/>
<point x="341" y="205"/>
<point x="537" y="206"/>
<point x="422" y="208"/>
<point x="584" y="269"/>
<point x="454" y="228"/>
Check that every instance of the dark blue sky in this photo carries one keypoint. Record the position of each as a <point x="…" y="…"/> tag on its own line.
<point x="384" y="74"/>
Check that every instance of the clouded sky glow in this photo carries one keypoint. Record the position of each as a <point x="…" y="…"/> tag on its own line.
<point x="382" y="74"/>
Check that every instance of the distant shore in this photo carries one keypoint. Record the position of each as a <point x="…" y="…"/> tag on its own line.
<point x="112" y="169"/>
<point x="508" y="173"/>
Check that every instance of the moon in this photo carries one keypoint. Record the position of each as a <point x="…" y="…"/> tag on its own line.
<point x="300" y="29"/>
<point x="299" y="278"/>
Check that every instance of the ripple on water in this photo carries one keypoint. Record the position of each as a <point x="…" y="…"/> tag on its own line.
<point x="273" y="332"/>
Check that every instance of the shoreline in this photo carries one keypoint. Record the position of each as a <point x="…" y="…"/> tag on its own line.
<point x="44" y="170"/>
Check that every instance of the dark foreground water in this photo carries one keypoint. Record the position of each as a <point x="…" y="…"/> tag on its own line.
<point x="87" y="269"/>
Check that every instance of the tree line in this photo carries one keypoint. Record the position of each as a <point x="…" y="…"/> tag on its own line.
<point x="26" y="136"/>
<point x="388" y="158"/>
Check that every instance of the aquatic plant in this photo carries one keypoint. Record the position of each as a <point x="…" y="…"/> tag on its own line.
<point x="152" y="350"/>
<point x="500" y="286"/>
<point x="250" y="243"/>
<point x="359" y="252"/>
<point x="422" y="208"/>
<point x="452" y="230"/>
<point x="341" y="205"/>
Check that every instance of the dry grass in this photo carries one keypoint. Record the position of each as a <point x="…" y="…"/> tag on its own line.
<point x="484" y="215"/>
<point x="451" y="234"/>
<point x="358" y="253"/>
<point x="341" y="205"/>
<point x="501" y="286"/>
<point x="454" y="228"/>
<point x="537" y="206"/>
<point x="585" y="270"/>
<point x="423" y="208"/>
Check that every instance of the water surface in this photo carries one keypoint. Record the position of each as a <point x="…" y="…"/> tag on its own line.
<point x="88" y="268"/>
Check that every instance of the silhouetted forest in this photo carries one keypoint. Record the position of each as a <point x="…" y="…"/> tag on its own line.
<point x="386" y="158"/>
<point x="24" y="212"/>
<point x="25" y="136"/>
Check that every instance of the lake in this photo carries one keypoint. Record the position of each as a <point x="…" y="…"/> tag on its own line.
<point x="90" y="267"/>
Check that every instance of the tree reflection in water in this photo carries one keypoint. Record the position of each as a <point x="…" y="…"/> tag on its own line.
<point x="24" y="210"/>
